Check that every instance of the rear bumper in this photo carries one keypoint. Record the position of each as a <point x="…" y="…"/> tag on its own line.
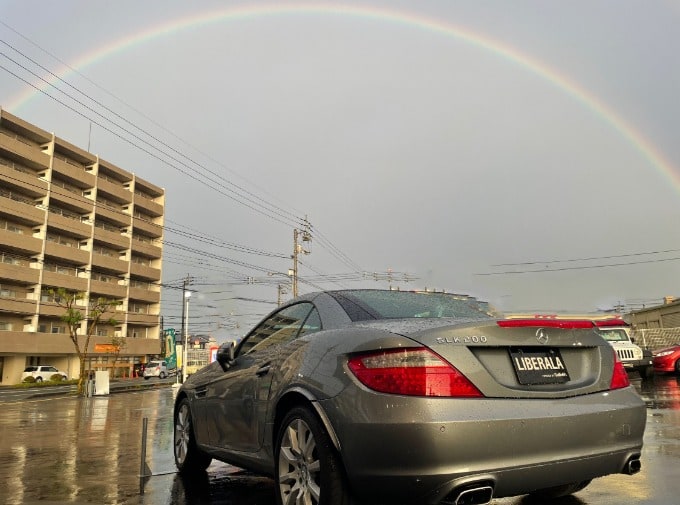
<point x="638" y="363"/>
<point x="424" y="448"/>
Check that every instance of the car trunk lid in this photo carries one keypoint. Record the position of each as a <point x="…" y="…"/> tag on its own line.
<point x="516" y="358"/>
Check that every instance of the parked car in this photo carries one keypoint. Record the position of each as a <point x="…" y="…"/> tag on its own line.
<point x="668" y="359"/>
<point x="42" y="373"/>
<point x="617" y="333"/>
<point x="393" y="396"/>
<point x="156" y="368"/>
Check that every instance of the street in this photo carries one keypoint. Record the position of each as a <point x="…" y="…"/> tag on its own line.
<point x="64" y="449"/>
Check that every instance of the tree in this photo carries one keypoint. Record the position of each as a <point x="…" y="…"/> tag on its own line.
<point x="118" y="344"/>
<point x="74" y="318"/>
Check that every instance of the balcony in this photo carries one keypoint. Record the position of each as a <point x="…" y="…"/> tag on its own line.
<point x="73" y="171"/>
<point x="145" y="272"/>
<point x="144" y="295"/>
<point x="114" y="191"/>
<point x="143" y="319"/>
<point x="80" y="256"/>
<point x="29" y="152"/>
<point x="27" y="212"/>
<point x="19" y="243"/>
<point x="69" y="224"/>
<point x="64" y="280"/>
<point x="28" y="182"/>
<point x="111" y="238"/>
<point x="146" y="248"/>
<point x="68" y="196"/>
<point x="148" y="206"/>
<point x="147" y="228"/>
<point x="114" y="215"/>
<point x="23" y="274"/>
<point x="109" y="263"/>
<point x="107" y="289"/>
<point x="23" y="306"/>
<point x="54" y="310"/>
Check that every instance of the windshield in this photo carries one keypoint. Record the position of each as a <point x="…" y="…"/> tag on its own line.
<point x="617" y="335"/>
<point x="362" y="305"/>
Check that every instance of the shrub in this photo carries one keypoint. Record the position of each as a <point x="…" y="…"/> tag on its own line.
<point x="55" y="377"/>
<point x="29" y="379"/>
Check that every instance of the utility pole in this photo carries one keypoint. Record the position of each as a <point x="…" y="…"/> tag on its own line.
<point x="281" y="292"/>
<point x="185" y="322"/>
<point x="303" y="235"/>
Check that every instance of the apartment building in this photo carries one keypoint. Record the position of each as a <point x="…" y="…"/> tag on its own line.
<point x="70" y="219"/>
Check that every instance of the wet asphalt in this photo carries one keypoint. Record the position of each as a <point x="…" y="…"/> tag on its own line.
<point x="63" y="449"/>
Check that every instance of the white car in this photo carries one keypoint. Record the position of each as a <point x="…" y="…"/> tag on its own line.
<point x="42" y="373"/>
<point x="156" y="368"/>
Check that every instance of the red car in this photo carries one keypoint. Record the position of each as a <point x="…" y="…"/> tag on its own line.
<point x="668" y="359"/>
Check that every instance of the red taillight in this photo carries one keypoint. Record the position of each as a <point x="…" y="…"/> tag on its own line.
<point x="619" y="375"/>
<point x="412" y="372"/>
<point x="546" y="323"/>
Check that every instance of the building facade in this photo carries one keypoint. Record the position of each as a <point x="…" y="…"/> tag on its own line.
<point x="69" y="219"/>
<point x="664" y="315"/>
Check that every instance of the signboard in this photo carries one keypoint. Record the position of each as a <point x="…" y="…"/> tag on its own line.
<point x="109" y="348"/>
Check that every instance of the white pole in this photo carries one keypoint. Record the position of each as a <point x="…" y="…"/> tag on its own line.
<point x="187" y="295"/>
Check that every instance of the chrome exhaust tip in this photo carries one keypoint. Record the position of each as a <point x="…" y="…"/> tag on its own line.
<point x="480" y="495"/>
<point x="632" y="466"/>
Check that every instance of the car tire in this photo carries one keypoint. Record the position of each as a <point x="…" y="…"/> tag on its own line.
<point x="161" y="375"/>
<point x="38" y="379"/>
<point x="559" y="491"/>
<point x="306" y="462"/>
<point x="146" y="377"/>
<point x="677" y="366"/>
<point x="189" y="459"/>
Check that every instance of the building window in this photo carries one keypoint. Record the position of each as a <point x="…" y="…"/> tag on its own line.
<point x="7" y="293"/>
<point x="102" y="333"/>
<point x="4" y="326"/>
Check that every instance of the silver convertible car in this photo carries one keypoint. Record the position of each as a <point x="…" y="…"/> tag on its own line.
<point x="376" y="396"/>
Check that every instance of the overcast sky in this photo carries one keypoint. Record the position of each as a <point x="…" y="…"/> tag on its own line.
<point x="522" y="152"/>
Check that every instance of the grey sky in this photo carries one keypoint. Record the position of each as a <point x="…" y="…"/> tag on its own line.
<point x="407" y="148"/>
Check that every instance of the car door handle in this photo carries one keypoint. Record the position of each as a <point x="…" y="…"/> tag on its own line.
<point x="263" y="370"/>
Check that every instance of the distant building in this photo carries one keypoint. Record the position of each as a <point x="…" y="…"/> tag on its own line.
<point x="70" y="219"/>
<point x="664" y="315"/>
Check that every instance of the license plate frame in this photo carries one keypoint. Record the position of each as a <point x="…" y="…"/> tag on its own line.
<point x="536" y="366"/>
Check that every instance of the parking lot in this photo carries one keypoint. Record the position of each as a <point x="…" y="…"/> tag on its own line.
<point x="63" y="449"/>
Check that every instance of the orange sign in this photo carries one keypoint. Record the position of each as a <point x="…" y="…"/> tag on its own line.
<point x="105" y="348"/>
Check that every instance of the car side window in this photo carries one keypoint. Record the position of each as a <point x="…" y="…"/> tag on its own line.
<point x="281" y="327"/>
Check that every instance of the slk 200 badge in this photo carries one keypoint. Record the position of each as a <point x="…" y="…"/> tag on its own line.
<point x="470" y="339"/>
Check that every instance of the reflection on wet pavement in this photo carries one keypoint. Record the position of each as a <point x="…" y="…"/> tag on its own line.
<point x="88" y="450"/>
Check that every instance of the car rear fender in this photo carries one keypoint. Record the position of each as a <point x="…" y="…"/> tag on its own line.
<point x="297" y="396"/>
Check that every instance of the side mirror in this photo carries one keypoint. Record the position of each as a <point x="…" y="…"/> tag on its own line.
<point x="225" y="355"/>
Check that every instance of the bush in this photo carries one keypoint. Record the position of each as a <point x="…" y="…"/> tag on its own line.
<point x="29" y="380"/>
<point x="56" y="377"/>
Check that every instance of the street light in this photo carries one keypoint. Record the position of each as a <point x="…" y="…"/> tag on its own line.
<point x="187" y="295"/>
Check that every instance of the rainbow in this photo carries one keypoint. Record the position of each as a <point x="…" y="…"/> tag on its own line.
<point x="230" y="14"/>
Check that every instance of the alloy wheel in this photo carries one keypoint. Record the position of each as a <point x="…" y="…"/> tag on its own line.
<point x="182" y="433"/>
<point x="299" y="465"/>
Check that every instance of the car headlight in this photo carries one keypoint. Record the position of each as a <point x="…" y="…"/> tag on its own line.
<point x="663" y="353"/>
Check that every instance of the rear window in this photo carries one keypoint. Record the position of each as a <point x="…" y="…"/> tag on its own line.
<point x="367" y="304"/>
